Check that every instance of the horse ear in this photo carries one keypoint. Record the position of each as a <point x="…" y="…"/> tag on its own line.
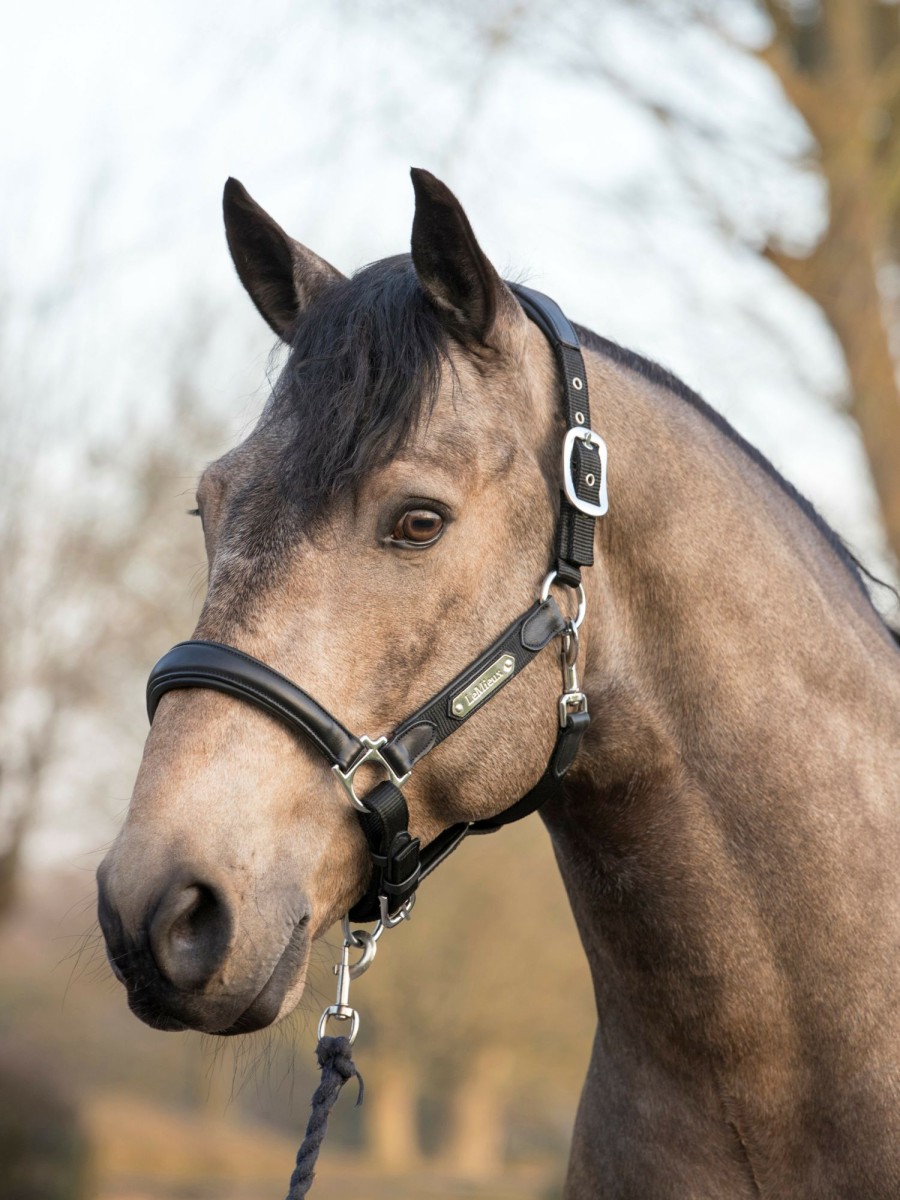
<point x="451" y="266"/>
<point x="280" y="275"/>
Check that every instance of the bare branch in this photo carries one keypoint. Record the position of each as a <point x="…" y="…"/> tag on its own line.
<point x="804" y="273"/>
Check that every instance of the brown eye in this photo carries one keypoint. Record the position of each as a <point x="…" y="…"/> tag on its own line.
<point x="418" y="527"/>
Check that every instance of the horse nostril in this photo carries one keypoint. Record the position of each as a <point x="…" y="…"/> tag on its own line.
<point x="190" y="934"/>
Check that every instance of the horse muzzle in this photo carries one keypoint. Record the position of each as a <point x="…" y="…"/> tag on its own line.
<point x="177" y="950"/>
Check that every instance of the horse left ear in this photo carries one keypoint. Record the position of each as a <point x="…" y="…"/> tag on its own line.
<point x="452" y="268"/>
<point x="281" y="276"/>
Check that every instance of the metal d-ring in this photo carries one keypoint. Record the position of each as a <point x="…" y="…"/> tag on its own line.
<point x="371" y="754"/>
<point x="389" y="920"/>
<point x="582" y="599"/>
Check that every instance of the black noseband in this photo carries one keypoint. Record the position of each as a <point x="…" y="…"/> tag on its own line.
<point x="224" y="669"/>
<point x="399" y="862"/>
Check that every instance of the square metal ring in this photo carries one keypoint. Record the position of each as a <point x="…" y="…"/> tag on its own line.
<point x="371" y="753"/>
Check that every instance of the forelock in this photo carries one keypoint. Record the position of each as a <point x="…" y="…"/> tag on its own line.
<point x="362" y="375"/>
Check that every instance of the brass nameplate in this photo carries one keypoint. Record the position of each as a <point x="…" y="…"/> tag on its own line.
<point x="482" y="687"/>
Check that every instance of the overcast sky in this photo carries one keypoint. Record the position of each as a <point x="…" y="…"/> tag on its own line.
<point x="123" y="122"/>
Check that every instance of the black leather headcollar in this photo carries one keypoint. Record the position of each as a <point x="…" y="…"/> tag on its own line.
<point x="399" y="862"/>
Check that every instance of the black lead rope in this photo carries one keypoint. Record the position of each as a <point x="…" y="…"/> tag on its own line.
<point x="399" y="862"/>
<point x="337" y="1067"/>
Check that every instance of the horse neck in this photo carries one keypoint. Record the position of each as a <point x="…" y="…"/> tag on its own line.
<point x="725" y="834"/>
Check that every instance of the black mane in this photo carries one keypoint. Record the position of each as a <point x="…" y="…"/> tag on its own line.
<point x="363" y="371"/>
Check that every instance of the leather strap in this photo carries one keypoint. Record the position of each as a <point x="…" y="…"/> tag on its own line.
<point x="224" y="669"/>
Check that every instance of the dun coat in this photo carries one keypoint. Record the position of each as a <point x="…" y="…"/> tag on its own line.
<point x="730" y="833"/>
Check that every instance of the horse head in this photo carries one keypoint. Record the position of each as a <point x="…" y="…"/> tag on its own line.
<point x="390" y="513"/>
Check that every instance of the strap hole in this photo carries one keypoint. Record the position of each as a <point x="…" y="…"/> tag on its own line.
<point x="589" y="480"/>
<point x="579" y="417"/>
<point x="577" y="384"/>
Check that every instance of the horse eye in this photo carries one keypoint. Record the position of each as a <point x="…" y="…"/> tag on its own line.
<point x="418" y="527"/>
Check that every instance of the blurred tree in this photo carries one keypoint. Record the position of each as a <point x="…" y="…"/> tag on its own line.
<point x="91" y="587"/>
<point x="839" y="64"/>
<point x="44" y="1153"/>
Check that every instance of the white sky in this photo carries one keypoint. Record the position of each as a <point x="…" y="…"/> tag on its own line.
<point x="123" y="121"/>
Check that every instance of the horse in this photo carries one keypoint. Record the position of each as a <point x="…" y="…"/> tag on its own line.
<point x="728" y="832"/>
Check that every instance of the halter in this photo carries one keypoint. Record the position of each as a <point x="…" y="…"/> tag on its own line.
<point x="400" y="863"/>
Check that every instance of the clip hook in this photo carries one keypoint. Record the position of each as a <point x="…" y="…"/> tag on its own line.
<point x="346" y="971"/>
<point x="572" y="700"/>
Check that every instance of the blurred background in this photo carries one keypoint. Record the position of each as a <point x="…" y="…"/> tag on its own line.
<point x="715" y="183"/>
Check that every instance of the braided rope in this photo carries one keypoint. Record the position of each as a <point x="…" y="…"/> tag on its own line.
<point x="337" y="1067"/>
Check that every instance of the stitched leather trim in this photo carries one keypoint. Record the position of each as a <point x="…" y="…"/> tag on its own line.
<point x="543" y="626"/>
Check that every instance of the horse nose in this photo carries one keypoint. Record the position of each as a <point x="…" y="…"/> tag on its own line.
<point x="190" y="934"/>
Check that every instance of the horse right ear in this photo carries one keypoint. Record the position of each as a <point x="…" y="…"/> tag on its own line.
<point x="453" y="270"/>
<point x="280" y="275"/>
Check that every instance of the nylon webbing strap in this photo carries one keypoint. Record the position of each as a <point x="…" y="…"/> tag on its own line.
<point x="394" y="853"/>
<point x="575" y="537"/>
<point x="575" y="531"/>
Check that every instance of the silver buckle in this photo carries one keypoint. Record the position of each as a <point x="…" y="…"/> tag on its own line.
<point x="371" y="753"/>
<point x="592" y="439"/>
